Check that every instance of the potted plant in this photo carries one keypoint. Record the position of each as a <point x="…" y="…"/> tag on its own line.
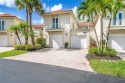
<point x="66" y="45"/>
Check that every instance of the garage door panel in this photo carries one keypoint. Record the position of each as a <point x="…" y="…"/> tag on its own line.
<point x="79" y="42"/>
<point x="117" y="41"/>
<point x="3" y="41"/>
<point x="56" y="41"/>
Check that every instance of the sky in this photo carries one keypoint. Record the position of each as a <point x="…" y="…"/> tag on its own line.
<point x="7" y="6"/>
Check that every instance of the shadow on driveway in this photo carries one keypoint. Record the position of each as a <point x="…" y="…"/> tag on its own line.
<point x="12" y="71"/>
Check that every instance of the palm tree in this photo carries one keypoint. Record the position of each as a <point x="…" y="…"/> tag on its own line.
<point x="23" y="4"/>
<point x="101" y="9"/>
<point x="37" y="6"/>
<point x="29" y="5"/>
<point x="113" y="7"/>
<point x="15" y="29"/>
<point x="88" y="9"/>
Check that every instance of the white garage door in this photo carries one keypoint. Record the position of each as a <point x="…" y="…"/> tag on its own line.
<point x="79" y="42"/>
<point x="117" y="41"/>
<point x="3" y="41"/>
<point x="56" y="41"/>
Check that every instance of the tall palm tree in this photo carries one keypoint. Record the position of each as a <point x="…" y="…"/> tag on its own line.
<point x="23" y="4"/>
<point x="100" y="6"/>
<point x="29" y="5"/>
<point x="113" y="7"/>
<point x="88" y="9"/>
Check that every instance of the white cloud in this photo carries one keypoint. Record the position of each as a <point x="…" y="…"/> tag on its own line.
<point x="56" y="7"/>
<point x="75" y="10"/>
<point x="38" y="21"/>
<point x="8" y="3"/>
<point x="1" y="13"/>
<point x="46" y="8"/>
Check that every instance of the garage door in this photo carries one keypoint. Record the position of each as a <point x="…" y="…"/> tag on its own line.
<point x="117" y="41"/>
<point x="79" y="42"/>
<point x="56" y="41"/>
<point x="22" y="39"/>
<point x="3" y="41"/>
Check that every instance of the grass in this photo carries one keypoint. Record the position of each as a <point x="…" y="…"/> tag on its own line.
<point x="12" y="53"/>
<point x="109" y="68"/>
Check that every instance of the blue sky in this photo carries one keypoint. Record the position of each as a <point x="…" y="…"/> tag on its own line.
<point x="7" y="6"/>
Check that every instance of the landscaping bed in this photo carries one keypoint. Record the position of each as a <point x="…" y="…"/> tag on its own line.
<point x="12" y="53"/>
<point x="91" y="57"/>
<point x="106" y="62"/>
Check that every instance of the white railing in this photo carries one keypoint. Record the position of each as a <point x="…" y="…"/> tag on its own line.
<point x="118" y="22"/>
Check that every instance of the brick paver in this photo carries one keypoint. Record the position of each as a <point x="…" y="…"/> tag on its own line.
<point x="4" y="49"/>
<point x="71" y="58"/>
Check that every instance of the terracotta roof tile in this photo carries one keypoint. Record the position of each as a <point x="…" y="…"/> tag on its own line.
<point x="7" y="15"/>
<point x="38" y="26"/>
<point x="85" y="23"/>
<point x="59" y="11"/>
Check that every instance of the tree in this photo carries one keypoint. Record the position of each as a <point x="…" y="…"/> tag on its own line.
<point x="37" y="6"/>
<point x="113" y="7"/>
<point x="88" y="9"/>
<point x="15" y="29"/>
<point x="23" y="26"/>
<point x="30" y="5"/>
<point x="23" y="4"/>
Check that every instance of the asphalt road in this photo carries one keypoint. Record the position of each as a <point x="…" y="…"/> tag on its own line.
<point x="12" y="71"/>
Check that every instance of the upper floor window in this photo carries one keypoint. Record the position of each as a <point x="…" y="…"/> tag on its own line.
<point x="55" y="23"/>
<point x="120" y="16"/>
<point x="2" y="25"/>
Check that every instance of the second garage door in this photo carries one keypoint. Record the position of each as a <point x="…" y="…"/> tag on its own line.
<point x="117" y="41"/>
<point x="3" y="41"/>
<point x="79" y="42"/>
<point x="56" y="41"/>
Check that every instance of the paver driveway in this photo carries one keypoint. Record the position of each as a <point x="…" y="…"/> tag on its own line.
<point x="4" y="49"/>
<point x="71" y="58"/>
<point x="51" y="66"/>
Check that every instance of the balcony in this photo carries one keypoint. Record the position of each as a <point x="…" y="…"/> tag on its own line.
<point x="118" y="24"/>
<point x="54" y="28"/>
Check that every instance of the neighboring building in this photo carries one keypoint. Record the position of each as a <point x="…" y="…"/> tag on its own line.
<point x="8" y="38"/>
<point x="117" y="32"/>
<point x="38" y="30"/>
<point x="61" y="26"/>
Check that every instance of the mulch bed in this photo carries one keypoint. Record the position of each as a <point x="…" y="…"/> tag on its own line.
<point x="91" y="57"/>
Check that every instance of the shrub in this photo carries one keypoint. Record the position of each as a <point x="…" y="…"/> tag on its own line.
<point x="19" y="47"/>
<point x="92" y="51"/>
<point x="29" y="47"/>
<point x="41" y="41"/>
<point x="101" y="52"/>
<point x="37" y="46"/>
<point x="66" y="45"/>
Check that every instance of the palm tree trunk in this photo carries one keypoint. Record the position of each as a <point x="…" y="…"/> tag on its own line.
<point x="101" y="39"/>
<point x="97" y="41"/>
<point x="107" y="37"/>
<point x="26" y="35"/>
<point x="18" y="36"/>
<point x="31" y="30"/>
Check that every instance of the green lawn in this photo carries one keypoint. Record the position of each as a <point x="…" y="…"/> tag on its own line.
<point x="11" y="53"/>
<point x="109" y="68"/>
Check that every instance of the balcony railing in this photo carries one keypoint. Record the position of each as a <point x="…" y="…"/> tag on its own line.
<point x="118" y="23"/>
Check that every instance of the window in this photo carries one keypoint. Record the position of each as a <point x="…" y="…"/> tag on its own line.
<point x="55" y="23"/>
<point x="2" y="25"/>
<point x="120" y="16"/>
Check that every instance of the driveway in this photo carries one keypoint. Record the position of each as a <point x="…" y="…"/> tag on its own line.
<point x="15" y="71"/>
<point x="70" y="58"/>
<point x="4" y="49"/>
